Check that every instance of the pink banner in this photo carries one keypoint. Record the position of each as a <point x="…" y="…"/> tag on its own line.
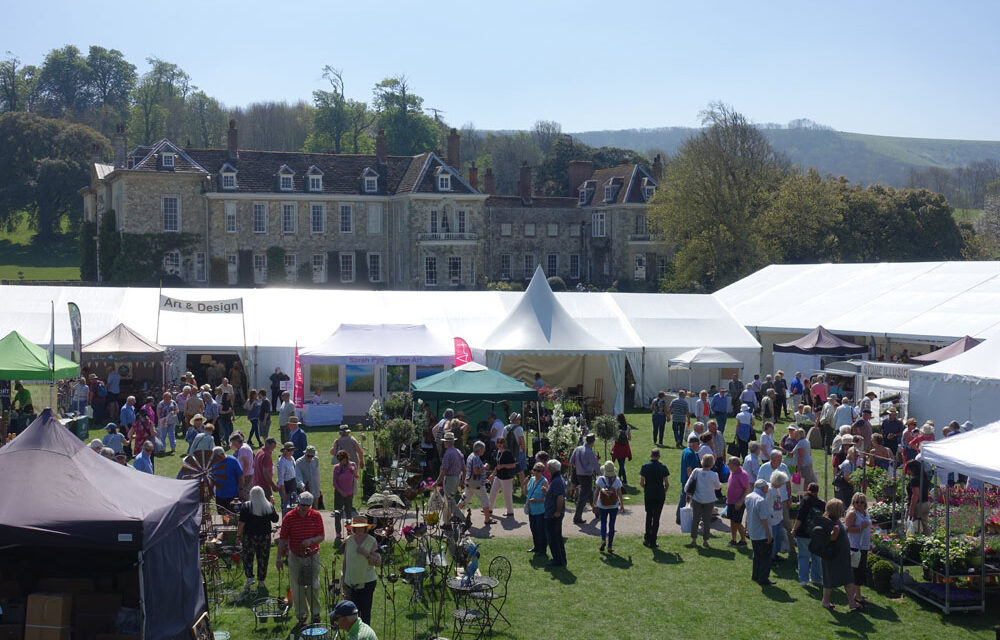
<point x="463" y="355"/>
<point x="299" y="388"/>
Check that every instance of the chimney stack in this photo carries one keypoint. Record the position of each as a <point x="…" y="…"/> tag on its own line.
<point x="657" y="168"/>
<point x="474" y="176"/>
<point x="95" y="153"/>
<point x="578" y="172"/>
<point x="233" y="151"/>
<point x="488" y="181"/>
<point x="118" y="143"/>
<point x="524" y="181"/>
<point x="380" y="148"/>
<point x="453" y="149"/>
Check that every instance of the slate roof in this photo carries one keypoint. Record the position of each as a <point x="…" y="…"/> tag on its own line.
<point x="625" y="178"/>
<point x="537" y="202"/>
<point x="257" y="171"/>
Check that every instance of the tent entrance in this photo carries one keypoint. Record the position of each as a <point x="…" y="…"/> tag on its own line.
<point x="212" y="367"/>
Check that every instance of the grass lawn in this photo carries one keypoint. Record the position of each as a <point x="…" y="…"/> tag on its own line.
<point x="670" y="592"/>
<point x="22" y="256"/>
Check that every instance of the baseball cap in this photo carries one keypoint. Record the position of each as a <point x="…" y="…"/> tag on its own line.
<point x="344" y="608"/>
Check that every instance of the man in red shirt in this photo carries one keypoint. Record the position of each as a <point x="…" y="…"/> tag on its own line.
<point x="301" y="533"/>
<point x="263" y="467"/>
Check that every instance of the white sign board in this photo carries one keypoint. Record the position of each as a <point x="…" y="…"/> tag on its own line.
<point x="232" y="306"/>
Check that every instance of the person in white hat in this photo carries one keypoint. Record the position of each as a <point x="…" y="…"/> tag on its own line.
<point x="301" y="534"/>
<point x="361" y="556"/>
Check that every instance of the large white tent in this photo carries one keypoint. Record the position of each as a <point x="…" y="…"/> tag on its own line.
<point x="962" y="388"/>
<point x="539" y="335"/>
<point x="883" y="304"/>
<point x="975" y="454"/>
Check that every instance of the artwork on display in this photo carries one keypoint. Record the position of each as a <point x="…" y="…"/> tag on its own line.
<point x="397" y="377"/>
<point x="325" y="377"/>
<point x="359" y="377"/>
<point x="423" y="372"/>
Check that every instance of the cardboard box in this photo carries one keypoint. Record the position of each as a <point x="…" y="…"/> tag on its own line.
<point x="66" y="585"/>
<point x="46" y="633"/>
<point x="11" y="632"/>
<point x="49" y="610"/>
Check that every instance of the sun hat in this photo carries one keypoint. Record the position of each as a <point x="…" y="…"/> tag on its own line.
<point x="893" y="410"/>
<point x="293" y="420"/>
<point x="345" y="429"/>
<point x="448" y="436"/>
<point x="514" y="416"/>
<point x="360" y="522"/>
<point x="310" y="450"/>
<point x="609" y="469"/>
<point x="197" y="416"/>
<point x="305" y="498"/>
<point x="288" y="446"/>
<point x="744" y="407"/>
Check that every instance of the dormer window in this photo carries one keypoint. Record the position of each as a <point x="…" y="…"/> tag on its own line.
<point x="583" y="196"/>
<point x="371" y="184"/>
<point x="609" y="192"/>
<point x="648" y="189"/>
<point x="315" y="180"/>
<point x="228" y="177"/>
<point x="285" y="176"/>
<point x="444" y="182"/>
<point x="168" y="160"/>
<point x="286" y="183"/>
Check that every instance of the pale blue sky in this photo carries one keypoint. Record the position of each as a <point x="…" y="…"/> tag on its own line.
<point x="915" y="68"/>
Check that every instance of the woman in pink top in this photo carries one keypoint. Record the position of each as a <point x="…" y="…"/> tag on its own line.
<point x="344" y="473"/>
<point x="736" y="492"/>
<point x="141" y="431"/>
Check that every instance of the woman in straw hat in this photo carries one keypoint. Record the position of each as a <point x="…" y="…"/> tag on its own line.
<point x="361" y="556"/>
<point x="609" y="503"/>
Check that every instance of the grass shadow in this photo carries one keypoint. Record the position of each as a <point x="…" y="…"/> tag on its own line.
<point x="562" y="574"/>
<point x="777" y="594"/>
<point x="712" y="552"/>
<point x="616" y="561"/>
<point x="662" y="557"/>
<point x="62" y="251"/>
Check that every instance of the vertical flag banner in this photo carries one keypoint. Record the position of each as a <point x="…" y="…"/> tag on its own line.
<point x="76" y="327"/>
<point x="52" y="341"/>
<point x="463" y="355"/>
<point x="299" y="388"/>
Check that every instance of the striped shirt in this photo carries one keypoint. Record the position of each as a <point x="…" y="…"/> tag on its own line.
<point x="452" y="463"/>
<point x="295" y="528"/>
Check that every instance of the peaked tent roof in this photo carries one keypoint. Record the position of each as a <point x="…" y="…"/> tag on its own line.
<point x="705" y="358"/>
<point x="123" y="339"/>
<point x="21" y="359"/>
<point x="381" y="344"/>
<point x="471" y="381"/>
<point x="82" y="505"/>
<point x="539" y="324"/>
<point x="959" y="346"/>
<point x="820" y="341"/>
<point x="975" y="453"/>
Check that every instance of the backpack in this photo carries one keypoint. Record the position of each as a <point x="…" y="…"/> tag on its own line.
<point x="102" y="391"/>
<point x="622" y="436"/>
<point x="819" y="539"/>
<point x="608" y="496"/>
<point x="513" y="444"/>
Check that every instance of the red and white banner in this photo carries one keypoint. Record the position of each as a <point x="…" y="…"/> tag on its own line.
<point x="299" y="388"/>
<point x="463" y="355"/>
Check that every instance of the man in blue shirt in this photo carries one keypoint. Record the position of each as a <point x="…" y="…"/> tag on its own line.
<point x="211" y="414"/>
<point x="689" y="462"/>
<point x="144" y="461"/>
<point x="228" y="473"/>
<point x="126" y="417"/>
<point x="297" y="437"/>
<point x="720" y="408"/>
<point x="759" y="531"/>
<point x="796" y="389"/>
<point x="555" y="507"/>
<point x="679" y="412"/>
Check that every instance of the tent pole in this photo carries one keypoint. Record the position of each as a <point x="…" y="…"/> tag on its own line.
<point x="142" y="601"/>
<point x="642" y="383"/>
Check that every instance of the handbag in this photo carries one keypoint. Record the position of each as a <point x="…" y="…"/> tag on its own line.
<point x="855" y="558"/>
<point x="733" y="449"/>
<point x="692" y="483"/>
<point x="796" y="478"/>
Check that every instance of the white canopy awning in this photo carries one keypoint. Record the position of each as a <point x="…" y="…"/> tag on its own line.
<point x="889" y="383"/>
<point x="382" y="344"/>
<point x="975" y="453"/>
<point x="705" y="358"/>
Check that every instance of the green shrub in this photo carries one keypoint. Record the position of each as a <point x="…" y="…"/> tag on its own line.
<point x="401" y="431"/>
<point x="881" y="572"/>
<point x="557" y="284"/>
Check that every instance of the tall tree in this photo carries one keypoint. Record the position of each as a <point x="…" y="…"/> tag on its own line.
<point x="111" y="82"/>
<point x="408" y="130"/>
<point x="11" y="84"/>
<point x="64" y="81"/>
<point x="707" y="203"/>
<point x="159" y="102"/>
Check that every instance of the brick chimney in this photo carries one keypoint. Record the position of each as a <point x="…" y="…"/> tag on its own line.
<point x="453" y="148"/>
<point x="657" y="168"/>
<point x="524" y="181"/>
<point x="233" y="148"/>
<point x="95" y="153"/>
<point x="474" y="176"/>
<point x="489" y="185"/>
<point x="578" y="172"/>
<point x="380" y="148"/>
<point x="119" y="144"/>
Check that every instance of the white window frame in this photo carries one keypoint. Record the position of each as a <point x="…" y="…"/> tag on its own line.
<point x="552" y="264"/>
<point x="374" y="219"/>
<point x="347" y="267"/>
<point x="432" y="224"/>
<point x="200" y="264"/>
<point x="430" y="271"/>
<point x="454" y="267"/>
<point x="229" y="181"/>
<point x="349" y="227"/>
<point x="529" y="263"/>
<point x="609" y="191"/>
<point x="291" y="267"/>
<point x="553" y="229"/>
<point x="229" y="206"/>
<point x="574" y="266"/>
<point x="444" y="182"/>
<point x="315" y="183"/>
<point x="177" y="212"/>
<point x="375" y="275"/>
<point x="371" y="184"/>
<point x="289" y="224"/>
<point x="172" y="263"/>
<point x="282" y="185"/>
<point x="232" y="268"/>
<point x="506" y="265"/>
<point x="320" y="209"/>
<point x="650" y="191"/>
<point x="319" y="268"/>
<point x="662" y="266"/>
<point x="529" y="229"/>
<point x="583" y="196"/>
<point x="260" y="268"/>
<point x="260" y="207"/>
<point x="598" y="227"/>
<point x="167" y="159"/>
<point x="460" y="221"/>
<point x="506" y="229"/>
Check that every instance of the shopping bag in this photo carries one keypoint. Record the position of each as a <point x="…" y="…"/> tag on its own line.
<point x="687" y="515"/>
